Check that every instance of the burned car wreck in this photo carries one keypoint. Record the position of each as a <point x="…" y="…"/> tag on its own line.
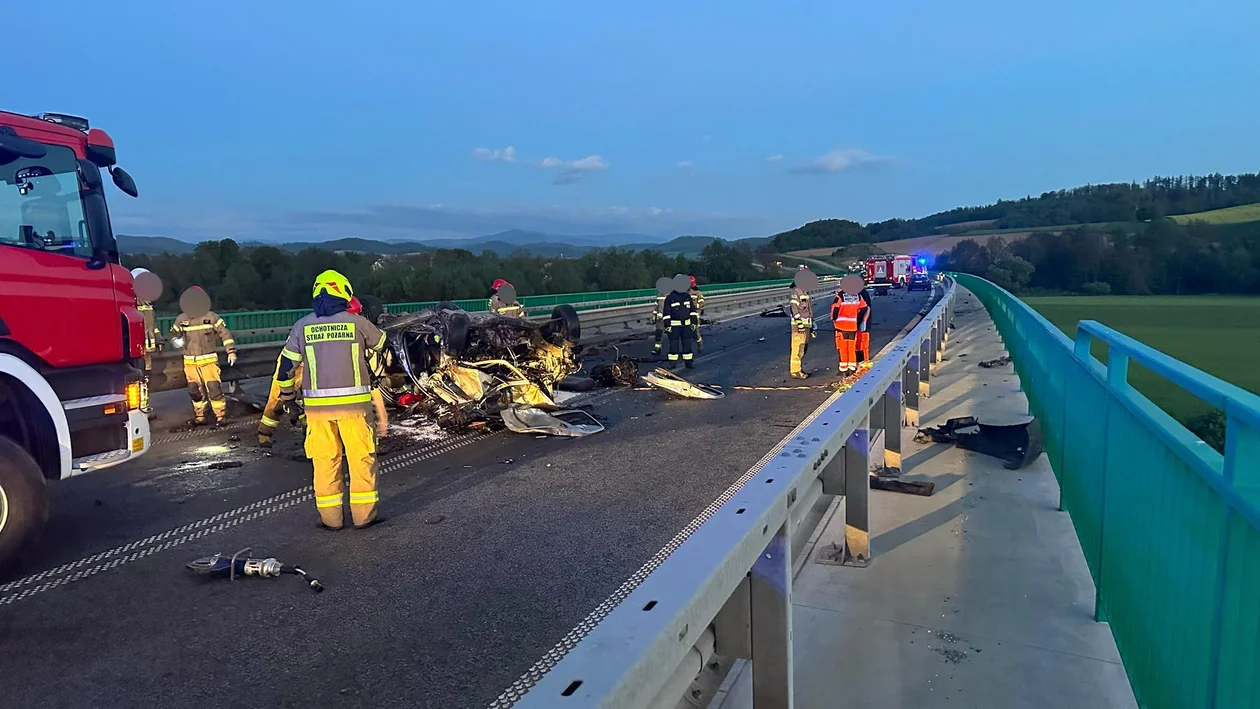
<point x="463" y="369"/>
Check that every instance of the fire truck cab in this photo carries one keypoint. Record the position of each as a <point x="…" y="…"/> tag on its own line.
<point x="70" y="333"/>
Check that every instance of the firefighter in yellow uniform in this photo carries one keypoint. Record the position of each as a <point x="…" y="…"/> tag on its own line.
<point x="196" y="331"/>
<point x="270" y="420"/>
<point x="801" y="309"/>
<point x="697" y="305"/>
<point x="503" y="300"/>
<point x="334" y="345"/>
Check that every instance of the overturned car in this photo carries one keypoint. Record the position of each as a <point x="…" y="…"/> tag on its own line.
<point x="463" y="369"/>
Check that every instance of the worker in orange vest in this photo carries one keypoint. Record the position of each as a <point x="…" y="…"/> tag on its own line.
<point x="844" y="315"/>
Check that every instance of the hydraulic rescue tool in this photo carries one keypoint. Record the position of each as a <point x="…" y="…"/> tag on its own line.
<point x="240" y="565"/>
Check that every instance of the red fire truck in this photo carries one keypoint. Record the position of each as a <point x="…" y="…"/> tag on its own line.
<point x="70" y="333"/>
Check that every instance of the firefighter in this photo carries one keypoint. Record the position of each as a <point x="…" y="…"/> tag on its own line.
<point x="697" y="304"/>
<point x="802" y="312"/>
<point x="196" y="329"/>
<point x="503" y="300"/>
<point x="664" y="286"/>
<point x="680" y="313"/>
<point x="864" y="327"/>
<point x="334" y="345"/>
<point x="844" y="315"/>
<point x="148" y="289"/>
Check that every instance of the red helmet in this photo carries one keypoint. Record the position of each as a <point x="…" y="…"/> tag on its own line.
<point x="693" y="281"/>
<point x="498" y="283"/>
<point x="355" y="306"/>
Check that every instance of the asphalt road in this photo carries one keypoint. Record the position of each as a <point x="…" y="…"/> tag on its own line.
<point x="494" y="547"/>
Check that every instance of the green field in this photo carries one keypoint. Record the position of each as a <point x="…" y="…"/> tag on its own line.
<point x="1218" y="334"/>
<point x="1059" y="227"/>
<point x="1230" y="215"/>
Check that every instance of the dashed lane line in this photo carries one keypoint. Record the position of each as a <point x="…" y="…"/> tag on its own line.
<point x="118" y="556"/>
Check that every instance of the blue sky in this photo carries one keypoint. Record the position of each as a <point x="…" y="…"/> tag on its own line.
<point x="317" y="119"/>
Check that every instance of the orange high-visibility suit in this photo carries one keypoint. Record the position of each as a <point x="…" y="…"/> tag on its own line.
<point x="844" y="315"/>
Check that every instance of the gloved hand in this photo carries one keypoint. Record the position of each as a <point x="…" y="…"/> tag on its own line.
<point x="862" y="326"/>
<point x="231" y="359"/>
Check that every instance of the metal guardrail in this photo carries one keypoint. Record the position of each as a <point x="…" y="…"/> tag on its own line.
<point x="1169" y="527"/>
<point x="723" y="586"/>
<point x="259" y="358"/>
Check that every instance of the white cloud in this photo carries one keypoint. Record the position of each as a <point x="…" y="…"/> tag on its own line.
<point x="684" y="164"/>
<point x="507" y="154"/>
<point x="775" y="158"/>
<point x="841" y="160"/>
<point x="571" y="171"/>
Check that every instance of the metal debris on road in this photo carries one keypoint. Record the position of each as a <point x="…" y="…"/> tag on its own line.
<point x="219" y="566"/>
<point x="999" y="362"/>
<point x="623" y="372"/>
<point x="573" y="423"/>
<point x="225" y="464"/>
<point x="674" y="384"/>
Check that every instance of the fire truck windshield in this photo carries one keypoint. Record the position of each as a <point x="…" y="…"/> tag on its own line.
<point x="42" y="206"/>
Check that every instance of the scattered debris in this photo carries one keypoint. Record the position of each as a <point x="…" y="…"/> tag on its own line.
<point x="761" y="339"/>
<point x="908" y="487"/>
<point x="576" y="383"/>
<point x="950" y="654"/>
<point x="1015" y="444"/>
<point x="436" y="519"/>
<point x="885" y="471"/>
<point x="674" y="384"/>
<point x="622" y="372"/>
<point x="234" y="438"/>
<point x="225" y="464"/>
<point x="999" y="362"/>
<point x="239" y="564"/>
<point x="571" y="423"/>
<point x="778" y="311"/>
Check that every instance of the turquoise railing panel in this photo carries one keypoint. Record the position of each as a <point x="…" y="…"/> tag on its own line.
<point x="1170" y="528"/>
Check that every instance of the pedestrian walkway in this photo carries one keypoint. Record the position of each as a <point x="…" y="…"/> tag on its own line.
<point x="977" y="596"/>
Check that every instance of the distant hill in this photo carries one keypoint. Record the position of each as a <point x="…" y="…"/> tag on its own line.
<point x="152" y="245"/>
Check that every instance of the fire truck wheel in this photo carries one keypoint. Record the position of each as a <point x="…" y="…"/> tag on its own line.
<point x="23" y="503"/>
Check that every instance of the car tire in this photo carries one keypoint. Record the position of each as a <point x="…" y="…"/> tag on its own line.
<point x="23" y="504"/>
<point x="565" y="324"/>
<point x="457" y="329"/>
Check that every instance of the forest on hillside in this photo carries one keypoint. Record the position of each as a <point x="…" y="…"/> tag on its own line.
<point x="1118" y="202"/>
<point x="269" y="278"/>
<point x="1159" y="258"/>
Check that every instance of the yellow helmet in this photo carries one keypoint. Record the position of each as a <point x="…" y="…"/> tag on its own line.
<point x="332" y="283"/>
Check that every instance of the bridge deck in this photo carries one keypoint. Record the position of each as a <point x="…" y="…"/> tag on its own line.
<point x="977" y="596"/>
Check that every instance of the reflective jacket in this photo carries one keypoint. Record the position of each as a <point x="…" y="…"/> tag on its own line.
<point x="680" y="309"/>
<point x="844" y="313"/>
<point x="697" y="298"/>
<point x="802" y="311"/>
<point x="513" y="310"/>
<point x="200" y="335"/>
<point x="659" y="314"/>
<point x="151" y="332"/>
<point x="334" y="351"/>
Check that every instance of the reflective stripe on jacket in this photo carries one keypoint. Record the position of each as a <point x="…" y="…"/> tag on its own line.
<point x="679" y="309"/>
<point x="201" y="336"/>
<point x="513" y="310"/>
<point x="802" y="311"/>
<point x="697" y="298"/>
<point x="150" y="326"/>
<point x="844" y="313"/>
<point x="335" y="351"/>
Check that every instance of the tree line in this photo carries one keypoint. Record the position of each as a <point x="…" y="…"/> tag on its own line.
<point x="1117" y="202"/>
<point x="270" y="278"/>
<point x="1159" y="258"/>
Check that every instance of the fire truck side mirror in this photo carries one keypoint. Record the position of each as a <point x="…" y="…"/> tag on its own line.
<point x="124" y="181"/>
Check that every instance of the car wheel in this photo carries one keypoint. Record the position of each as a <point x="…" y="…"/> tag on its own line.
<point x="564" y="324"/>
<point x="456" y="340"/>
<point x="23" y="503"/>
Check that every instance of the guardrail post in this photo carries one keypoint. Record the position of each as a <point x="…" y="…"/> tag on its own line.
<point x="771" y="595"/>
<point x="857" y="495"/>
<point x="910" y="385"/>
<point x="892" y="423"/>
<point x="925" y="367"/>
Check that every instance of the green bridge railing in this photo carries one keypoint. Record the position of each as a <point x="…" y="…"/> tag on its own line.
<point x="245" y="323"/>
<point x="1170" y="527"/>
